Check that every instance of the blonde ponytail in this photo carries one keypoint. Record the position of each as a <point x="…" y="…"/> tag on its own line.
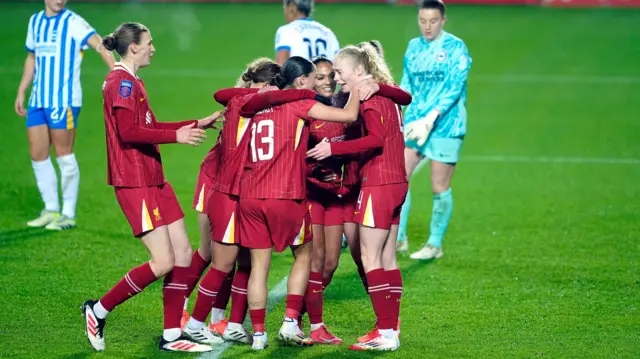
<point x="366" y="55"/>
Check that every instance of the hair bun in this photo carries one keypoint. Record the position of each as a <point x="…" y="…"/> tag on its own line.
<point x="280" y="81"/>
<point x="109" y="42"/>
<point x="247" y="76"/>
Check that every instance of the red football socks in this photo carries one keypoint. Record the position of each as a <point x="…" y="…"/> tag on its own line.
<point x="132" y="283"/>
<point x="313" y="299"/>
<point x="198" y="265"/>
<point x="395" y="288"/>
<point x="257" y="319"/>
<point x="294" y="305"/>
<point x="173" y="293"/>
<point x="379" y="293"/>
<point x="207" y="292"/>
<point x="222" y="299"/>
<point x="239" y="295"/>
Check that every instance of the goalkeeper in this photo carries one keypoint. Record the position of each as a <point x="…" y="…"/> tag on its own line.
<point x="435" y="71"/>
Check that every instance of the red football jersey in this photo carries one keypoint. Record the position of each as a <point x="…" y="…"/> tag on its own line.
<point x="384" y="165"/>
<point x="133" y="156"/>
<point x="211" y="161"/>
<point x="333" y="132"/>
<point x="351" y="169"/>
<point x="277" y="152"/>
<point x="233" y="147"/>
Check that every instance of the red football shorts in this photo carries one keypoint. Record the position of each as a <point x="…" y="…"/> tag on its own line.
<point x="148" y="208"/>
<point x="222" y="212"/>
<point x="326" y="211"/>
<point x="273" y="223"/>
<point x="203" y="187"/>
<point x="349" y="206"/>
<point x="379" y="206"/>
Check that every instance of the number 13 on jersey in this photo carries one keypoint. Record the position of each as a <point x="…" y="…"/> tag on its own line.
<point x="264" y="132"/>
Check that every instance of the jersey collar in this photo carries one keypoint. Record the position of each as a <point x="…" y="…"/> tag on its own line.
<point x="122" y="67"/>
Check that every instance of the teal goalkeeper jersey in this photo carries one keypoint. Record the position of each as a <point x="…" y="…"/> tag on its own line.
<point x="435" y="73"/>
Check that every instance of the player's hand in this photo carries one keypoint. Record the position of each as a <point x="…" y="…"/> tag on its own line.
<point x="353" y="81"/>
<point x="190" y="136"/>
<point x="367" y="88"/>
<point x="19" y="105"/>
<point x="268" y="88"/>
<point x="321" y="151"/>
<point x="419" y="130"/>
<point x="211" y="120"/>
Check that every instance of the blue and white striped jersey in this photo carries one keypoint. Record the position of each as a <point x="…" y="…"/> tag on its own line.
<point x="58" y="44"/>
<point x="307" y="38"/>
<point x="435" y="73"/>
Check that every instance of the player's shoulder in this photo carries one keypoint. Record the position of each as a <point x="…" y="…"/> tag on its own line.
<point x="35" y="16"/>
<point x="77" y="21"/>
<point x="237" y="101"/>
<point x="286" y="29"/>
<point x="321" y="26"/>
<point x="377" y="101"/>
<point x="415" y="43"/>
<point x="453" y="42"/>
<point x="121" y="81"/>
<point x="73" y="15"/>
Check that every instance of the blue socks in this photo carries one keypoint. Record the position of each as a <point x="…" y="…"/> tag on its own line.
<point x="442" y="209"/>
<point x="404" y="218"/>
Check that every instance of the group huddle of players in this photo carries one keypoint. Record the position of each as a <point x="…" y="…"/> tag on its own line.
<point x="291" y="155"/>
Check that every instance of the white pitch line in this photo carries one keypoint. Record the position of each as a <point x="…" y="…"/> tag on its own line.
<point x="561" y="160"/>
<point x="275" y="296"/>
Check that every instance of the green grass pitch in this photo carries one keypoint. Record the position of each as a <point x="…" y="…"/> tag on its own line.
<point x="542" y="254"/>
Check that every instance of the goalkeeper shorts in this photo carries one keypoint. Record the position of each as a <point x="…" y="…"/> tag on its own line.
<point x="444" y="150"/>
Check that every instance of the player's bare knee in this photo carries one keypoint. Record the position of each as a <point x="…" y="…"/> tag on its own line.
<point x="62" y="150"/>
<point x="317" y="265"/>
<point x="163" y="264"/>
<point x="205" y="253"/>
<point x="225" y="266"/>
<point x="389" y="262"/>
<point x="330" y="267"/>
<point x="439" y="187"/>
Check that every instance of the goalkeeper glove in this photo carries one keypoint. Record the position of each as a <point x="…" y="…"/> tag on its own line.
<point x="419" y="130"/>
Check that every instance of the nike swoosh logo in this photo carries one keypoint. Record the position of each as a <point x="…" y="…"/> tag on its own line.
<point x="318" y="126"/>
<point x="141" y="99"/>
<point x="317" y="291"/>
<point x="356" y="212"/>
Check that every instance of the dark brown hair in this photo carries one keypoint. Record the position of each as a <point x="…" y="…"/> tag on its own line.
<point x="432" y="4"/>
<point x="125" y="35"/>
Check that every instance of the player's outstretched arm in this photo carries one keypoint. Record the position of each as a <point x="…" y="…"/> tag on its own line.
<point x="131" y="132"/>
<point x="204" y="123"/>
<point x="335" y="114"/>
<point x="224" y="96"/>
<point x="27" y="79"/>
<point x="374" y="139"/>
<point x="370" y="87"/>
<point x="95" y="42"/>
<point x="395" y="94"/>
<point x="267" y="99"/>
